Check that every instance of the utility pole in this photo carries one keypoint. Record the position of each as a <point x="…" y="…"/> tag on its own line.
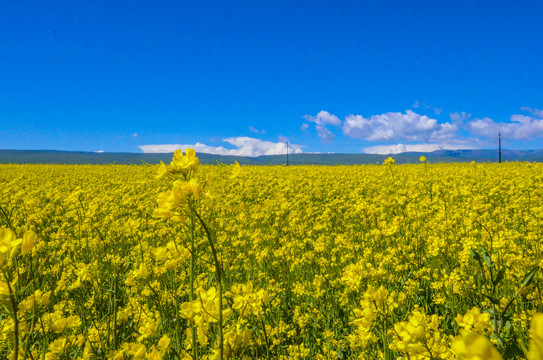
<point x="500" y="146"/>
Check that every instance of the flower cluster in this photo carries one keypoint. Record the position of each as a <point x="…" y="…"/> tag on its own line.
<point x="475" y="321"/>
<point x="420" y="337"/>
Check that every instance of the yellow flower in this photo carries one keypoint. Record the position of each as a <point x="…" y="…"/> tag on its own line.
<point x="472" y="346"/>
<point x="536" y="343"/>
<point x="154" y="354"/>
<point x="142" y="272"/>
<point x="476" y="321"/>
<point x="235" y="170"/>
<point x="9" y="243"/>
<point x="191" y="155"/>
<point x="27" y="304"/>
<point x="138" y="351"/>
<point x="42" y="298"/>
<point x="37" y="298"/>
<point x="162" y="170"/>
<point x="422" y="158"/>
<point x="4" y="288"/>
<point x="181" y="162"/>
<point x="147" y="329"/>
<point x="162" y="213"/>
<point x="58" y="346"/>
<point x="389" y="161"/>
<point x="59" y="325"/>
<point x="193" y="188"/>
<point x="29" y="238"/>
<point x="189" y="308"/>
<point x="164" y="342"/>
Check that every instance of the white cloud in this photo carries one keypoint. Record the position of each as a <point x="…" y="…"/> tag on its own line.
<point x="425" y="133"/>
<point x="445" y="132"/>
<point x="400" y="148"/>
<point x="397" y="126"/>
<point x="534" y="112"/>
<point x="521" y="127"/>
<point x="322" y="119"/>
<point x="135" y="135"/>
<point x="244" y="146"/>
<point x="524" y="128"/>
<point x="99" y="151"/>
<point x="325" y="134"/>
<point x="459" y="118"/>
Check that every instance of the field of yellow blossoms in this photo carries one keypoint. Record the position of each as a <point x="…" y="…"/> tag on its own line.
<point x="185" y="261"/>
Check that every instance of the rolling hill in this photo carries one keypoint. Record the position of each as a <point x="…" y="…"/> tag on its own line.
<point x="79" y="157"/>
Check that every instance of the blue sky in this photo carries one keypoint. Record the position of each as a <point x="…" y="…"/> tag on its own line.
<point x="243" y="77"/>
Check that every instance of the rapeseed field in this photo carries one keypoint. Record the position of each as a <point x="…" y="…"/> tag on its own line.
<point x="184" y="261"/>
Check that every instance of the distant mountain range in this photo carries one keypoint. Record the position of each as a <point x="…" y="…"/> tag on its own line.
<point x="80" y="157"/>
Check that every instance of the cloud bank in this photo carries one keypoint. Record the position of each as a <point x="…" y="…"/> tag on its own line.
<point x="398" y="126"/>
<point x="521" y="127"/>
<point x="410" y="131"/>
<point x="244" y="146"/>
<point x="387" y="133"/>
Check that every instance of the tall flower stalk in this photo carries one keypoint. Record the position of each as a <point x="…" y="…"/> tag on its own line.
<point x="182" y="203"/>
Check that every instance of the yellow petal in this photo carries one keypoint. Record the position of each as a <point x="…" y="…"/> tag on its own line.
<point x="162" y="213"/>
<point x="162" y="170"/>
<point x="29" y="239"/>
<point x="15" y="247"/>
<point x="7" y="237"/>
<point x="474" y="346"/>
<point x="164" y="342"/>
<point x="190" y="152"/>
<point x="235" y="171"/>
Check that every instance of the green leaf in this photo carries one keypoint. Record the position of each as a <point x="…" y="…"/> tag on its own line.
<point x="530" y="277"/>
<point x="499" y="276"/>
<point x="490" y="311"/>
<point x="492" y="299"/>
<point x="495" y="337"/>
<point x="475" y="255"/>
<point x="486" y="257"/>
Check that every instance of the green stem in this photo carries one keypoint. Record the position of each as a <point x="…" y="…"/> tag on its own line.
<point x="115" y="306"/>
<point x="221" y="335"/>
<point x="218" y="269"/>
<point x="15" y="319"/>
<point x="8" y="221"/>
<point x="27" y="346"/>
<point x="500" y="325"/>
<point x="192" y="278"/>
<point x="266" y="338"/>
<point x="384" y="339"/>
